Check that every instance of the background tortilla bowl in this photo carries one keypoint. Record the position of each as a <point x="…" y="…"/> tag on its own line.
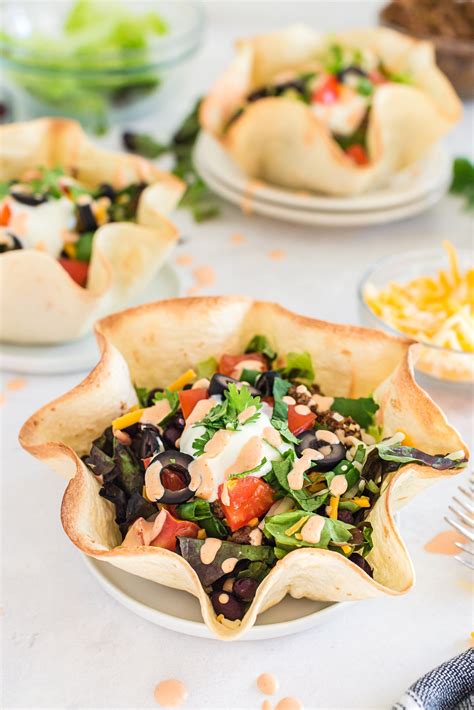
<point x="39" y="301"/>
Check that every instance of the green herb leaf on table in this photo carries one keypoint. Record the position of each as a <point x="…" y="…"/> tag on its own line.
<point x="463" y="180"/>
<point x="198" y="198"/>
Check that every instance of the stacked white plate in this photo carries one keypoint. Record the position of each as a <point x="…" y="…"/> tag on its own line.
<point x="408" y="193"/>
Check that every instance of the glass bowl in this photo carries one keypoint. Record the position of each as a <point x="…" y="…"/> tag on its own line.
<point x="455" y="57"/>
<point x="98" y="87"/>
<point x="443" y="364"/>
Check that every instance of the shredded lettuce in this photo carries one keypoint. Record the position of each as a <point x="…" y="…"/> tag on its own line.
<point x="260" y="344"/>
<point x="199" y="511"/>
<point x="206" y="368"/>
<point x="298" y="366"/>
<point x="362" y="410"/>
<point x="408" y="454"/>
<point x="277" y="525"/>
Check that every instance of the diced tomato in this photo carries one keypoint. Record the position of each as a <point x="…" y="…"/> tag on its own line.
<point x="76" y="269"/>
<point x="250" y="497"/>
<point x="228" y="364"/>
<point x="5" y="214"/>
<point x="189" y="398"/>
<point x="297" y="423"/>
<point x="377" y="77"/>
<point x="328" y="92"/>
<point x="172" y="528"/>
<point x="357" y="154"/>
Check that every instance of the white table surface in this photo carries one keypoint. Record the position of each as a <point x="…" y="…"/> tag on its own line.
<point x="68" y="645"/>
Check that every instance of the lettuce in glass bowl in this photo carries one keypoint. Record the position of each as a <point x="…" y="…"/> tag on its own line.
<point x="97" y="62"/>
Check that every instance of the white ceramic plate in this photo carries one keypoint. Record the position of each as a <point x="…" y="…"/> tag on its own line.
<point x="180" y="611"/>
<point x="417" y="181"/>
<point x="322" y="218"/>
<point x="80" y="355"/>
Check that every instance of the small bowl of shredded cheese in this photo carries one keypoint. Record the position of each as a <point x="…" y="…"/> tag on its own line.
<point x="428" y="296"/>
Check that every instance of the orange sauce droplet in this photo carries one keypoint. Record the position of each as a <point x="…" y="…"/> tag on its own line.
<point x="276" y="254"/>
<point x="205" y="276"/>
<point x="289" y="704"/>
<point x="238" y="239"/>
<point x="17" y="383"/>
<point x="184" y="259"/>
<point x="444" y="543"/>
<point x="170" y="693"/>
<point x="266" y="705"/>
<point x="267" y="683"/>
<point x="3" y="399"/>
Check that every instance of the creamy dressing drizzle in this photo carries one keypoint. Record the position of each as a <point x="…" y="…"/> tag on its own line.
<point x="209" y="550"/>
<point x="143" y="532"/>
<point x="296" y="475"/>
<point x="328" y="436"/>
<point x="201" y="477"/>
<point x="156" y="413"/>
<point x="272" y="436"/>
<point x="302" y="409"/>
<point x="153" y="486"/>
<point x="249" y="457"/>
<point x="267" y="683"/>
<point x="202" y="408"/>
<point x="202" y="384"/>
<point x="225" y="498"/>
<point x="312" y="529"/>
<point x="229" y="564"/>
<point x="217" y="443"/>
<point x="255" y="537"/>
<point x="247" y="414"/>
<point x="122" y="436"/>
<point x="266" y="705"/>
<point x="338" y="485"/>
<point x="322" y="404"/>
<point x="170" y="693"/>
<point x="246" y="365"/>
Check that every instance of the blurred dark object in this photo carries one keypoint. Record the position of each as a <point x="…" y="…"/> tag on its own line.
<point x="449" y="24"/>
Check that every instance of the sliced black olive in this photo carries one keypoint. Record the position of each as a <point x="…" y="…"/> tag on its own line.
<point x="264" y="382"/>
<point x="175" y="466"/>
<point x="227" y="605"/>
<point x="146" y="440"/>
<point x="219" y="384"/>
<point x="26" y="197"/>
<point x="350" y="71"/>
<point x="172" y="431"/>
<point x="86" y="221"/>
<point x="106" y="190"/>
<point x="308" y="440"/>
<point x="362" y="563"/>
<point x="8" y="242"/>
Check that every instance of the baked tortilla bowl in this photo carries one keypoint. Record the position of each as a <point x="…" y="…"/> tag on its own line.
<point x="49" y="307"/>
<point x="281" y="140"/>
<point x="150" y="346"/>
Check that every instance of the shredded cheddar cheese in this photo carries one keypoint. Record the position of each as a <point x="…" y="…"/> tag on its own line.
<point x="362" y="501"/>
<point x="438" y="310"/>
<point x="185" y="379"/>
<point x="128" y="419"/>
<point x="347" y="549"/>
<point x="297" y="526"/>
<point x="333" y="506"/>
<point x="202" y="534"/>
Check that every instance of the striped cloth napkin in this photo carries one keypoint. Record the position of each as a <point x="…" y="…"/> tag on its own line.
<point x="450" y="686"/>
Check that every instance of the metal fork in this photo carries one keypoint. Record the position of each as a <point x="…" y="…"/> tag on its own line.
<point x="462" y="520"/>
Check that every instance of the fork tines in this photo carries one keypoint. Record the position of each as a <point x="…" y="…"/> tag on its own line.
<point x="463" y="522"/>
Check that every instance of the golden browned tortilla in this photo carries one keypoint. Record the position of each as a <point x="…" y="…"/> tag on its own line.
<point x="151" y="346"/>
<point x="281" y="140"/>
<point x="49" y="307"/>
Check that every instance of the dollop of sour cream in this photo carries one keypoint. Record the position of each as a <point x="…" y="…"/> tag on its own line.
<point x="234" y="452"/>
<point x="42" y="226"/>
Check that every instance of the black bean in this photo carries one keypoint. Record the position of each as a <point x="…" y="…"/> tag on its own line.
<point x="227" y="605"/>
<point x="245" y="588"/>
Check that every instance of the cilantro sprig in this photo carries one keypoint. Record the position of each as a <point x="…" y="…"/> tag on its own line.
<point x="463" y="181"/>
<point x="225" y="415"/>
